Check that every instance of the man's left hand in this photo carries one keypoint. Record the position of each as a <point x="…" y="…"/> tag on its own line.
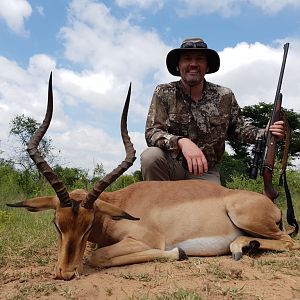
<point x="277" y="129"/>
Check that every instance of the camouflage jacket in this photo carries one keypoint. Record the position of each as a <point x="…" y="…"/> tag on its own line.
<point x="208" y="122"/>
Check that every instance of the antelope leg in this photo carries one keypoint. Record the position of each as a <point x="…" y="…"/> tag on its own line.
<point x="130" y="251"/>
<point x="236" y="247"/>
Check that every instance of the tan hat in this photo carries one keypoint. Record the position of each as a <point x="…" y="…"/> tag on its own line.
<point x="198" y="44"/>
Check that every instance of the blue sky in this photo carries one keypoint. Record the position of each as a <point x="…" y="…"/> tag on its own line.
<point x="95" y="48"/>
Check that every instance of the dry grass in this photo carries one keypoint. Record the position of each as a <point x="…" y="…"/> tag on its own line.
<point x="265" y="276"/>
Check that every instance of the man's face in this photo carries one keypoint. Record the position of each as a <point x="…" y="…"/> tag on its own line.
<point x="192" y="67"/>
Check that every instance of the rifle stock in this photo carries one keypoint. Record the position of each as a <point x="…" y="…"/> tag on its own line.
<point x="270" y="154"/>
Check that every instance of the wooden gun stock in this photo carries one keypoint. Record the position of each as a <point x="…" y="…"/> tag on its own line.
<point x="270" y="154"/>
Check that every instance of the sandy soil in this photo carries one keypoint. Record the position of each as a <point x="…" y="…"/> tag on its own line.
<point x="265" y="276"/>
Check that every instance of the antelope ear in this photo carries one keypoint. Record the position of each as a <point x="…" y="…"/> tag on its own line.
<point x="37" y="204"/>
<point x="115" y="212"/>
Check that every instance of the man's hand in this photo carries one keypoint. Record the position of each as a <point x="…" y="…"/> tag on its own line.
<point x="194" y="156"/>
<point x="277" y="129"/>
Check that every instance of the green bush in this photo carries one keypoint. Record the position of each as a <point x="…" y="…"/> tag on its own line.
<point x="9" y="187"/>
<point x="122" y="182"/>
<point x="231" y="167"/>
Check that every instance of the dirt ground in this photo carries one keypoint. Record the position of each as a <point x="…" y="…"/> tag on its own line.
<point x="263" y="276"/>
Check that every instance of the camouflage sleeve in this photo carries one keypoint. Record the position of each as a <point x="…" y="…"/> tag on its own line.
<point x="156" y="132"/>
<point x="241" y="129"/>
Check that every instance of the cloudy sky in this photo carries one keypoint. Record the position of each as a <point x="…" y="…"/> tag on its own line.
<point x="96" y="48"/>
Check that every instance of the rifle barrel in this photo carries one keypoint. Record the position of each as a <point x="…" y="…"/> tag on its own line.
<point x="285" y="53"/>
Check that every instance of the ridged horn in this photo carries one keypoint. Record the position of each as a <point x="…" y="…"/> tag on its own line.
<point x="35" y="155"/>
<point x="102" y="184"/>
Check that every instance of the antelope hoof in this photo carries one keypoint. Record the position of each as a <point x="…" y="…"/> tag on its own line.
<point x="182" y="254"/>
<point x="237" y="255"/>
<point x="254" y="245"/>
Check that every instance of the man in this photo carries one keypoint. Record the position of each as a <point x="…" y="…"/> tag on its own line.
<point x="189" y="120"/>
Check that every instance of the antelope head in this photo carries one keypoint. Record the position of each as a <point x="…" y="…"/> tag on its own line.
<point x="75" y="211"/>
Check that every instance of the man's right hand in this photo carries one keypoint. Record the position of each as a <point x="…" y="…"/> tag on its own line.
<point x="194" y="156"/>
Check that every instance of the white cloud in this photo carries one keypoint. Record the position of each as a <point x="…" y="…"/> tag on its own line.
<point x="23" y="91"/>
<point x="14" y="13"/>
<point x="274" y="6"/>
<point x="97" y="39"/>
<point x="84" y="146"/>
<point x="40" y="10"/>
<point x="252" y="72"/>
<point x="228" y="8"/>
<point x="113" y="48"/>
<point x="40" y="64"/>
<point x="158" y="4"/>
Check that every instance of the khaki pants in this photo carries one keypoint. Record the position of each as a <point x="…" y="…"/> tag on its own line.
<point x="157" y="164"/>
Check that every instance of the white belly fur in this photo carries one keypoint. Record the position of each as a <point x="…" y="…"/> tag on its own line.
<point x="208" y="246"/>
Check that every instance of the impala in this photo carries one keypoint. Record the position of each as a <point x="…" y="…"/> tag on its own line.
<point x="150" y="220"/>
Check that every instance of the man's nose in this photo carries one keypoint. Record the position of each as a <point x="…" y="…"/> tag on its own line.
<point x="193" y="62"/>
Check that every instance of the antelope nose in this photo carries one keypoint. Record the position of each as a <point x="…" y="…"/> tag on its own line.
<point x="68" y="275"/>
<point x="65" y="275"/>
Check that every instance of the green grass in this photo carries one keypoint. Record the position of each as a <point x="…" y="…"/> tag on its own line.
<point x="139" y="277"/>
<point x="28" y="291"/>
<point x="26" y="238"/>
<point x="180" y="294"/>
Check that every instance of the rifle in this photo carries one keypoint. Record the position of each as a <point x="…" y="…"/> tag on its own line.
<point x="265" y="148"/>
<point x="271" y="144"/>
<point x="265" y="153"/>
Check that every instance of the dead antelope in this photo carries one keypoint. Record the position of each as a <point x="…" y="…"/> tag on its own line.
<point x="175" y="219"/>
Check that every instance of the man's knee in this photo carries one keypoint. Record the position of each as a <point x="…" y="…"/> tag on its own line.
<point x="154" y="164"/>
<point x="151" y="156"/>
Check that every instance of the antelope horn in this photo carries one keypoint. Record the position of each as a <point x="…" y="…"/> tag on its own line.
<point x="102" y="184"/>
<point x="35" y="155"/>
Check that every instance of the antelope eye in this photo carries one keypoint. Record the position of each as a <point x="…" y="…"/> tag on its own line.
<point x="56" y="226"/>
<point x="89" y="229"/>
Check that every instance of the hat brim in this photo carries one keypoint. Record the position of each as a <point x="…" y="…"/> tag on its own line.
<point x="213" y="59"/>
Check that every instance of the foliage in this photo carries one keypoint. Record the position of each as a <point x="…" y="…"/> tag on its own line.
<point x="231" y="166"/>
<point x="137" y="175"/>
<point x="22" y="128"/>
<point x="16" y="184"/>
<point x="259" y="114"/>
<point x="72" y="177"/>
<point x="8" y="182"/>
<point x="99" y="171"/>
<point x="122" y="182"/>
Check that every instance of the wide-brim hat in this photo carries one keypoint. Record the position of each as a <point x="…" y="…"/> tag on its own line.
<point x="213" y="59"/>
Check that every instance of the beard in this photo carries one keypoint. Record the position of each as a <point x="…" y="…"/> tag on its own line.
<point x="192" y="81"/>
